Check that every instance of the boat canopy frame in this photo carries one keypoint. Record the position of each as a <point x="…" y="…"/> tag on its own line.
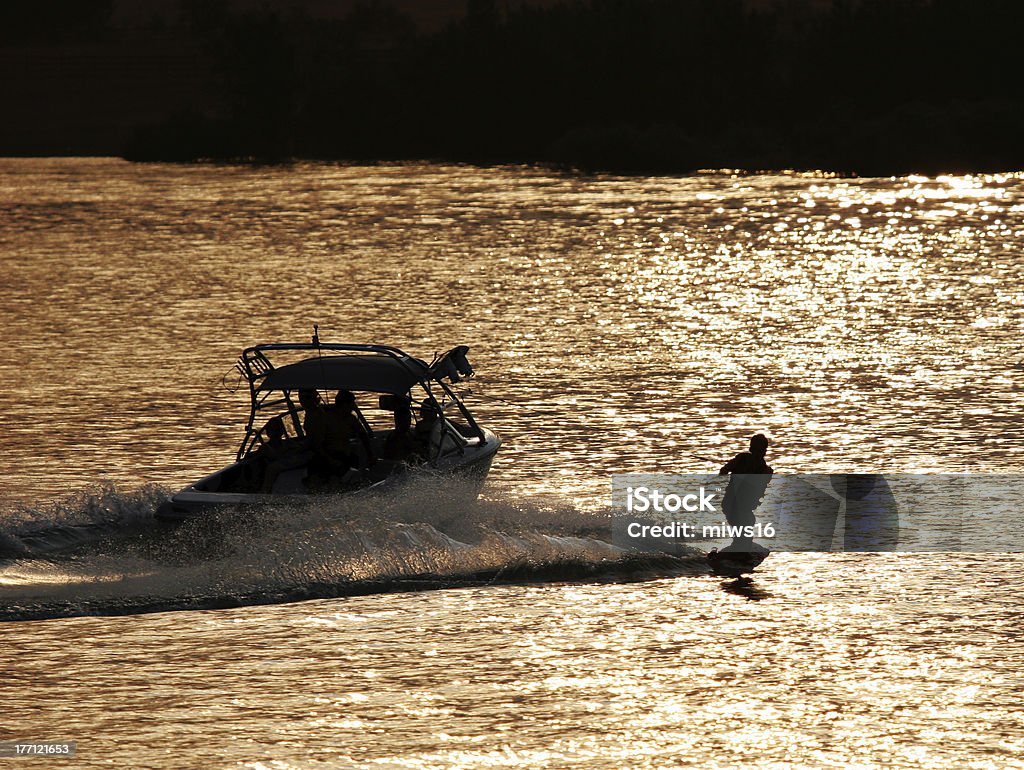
<point x="272" y="387"/>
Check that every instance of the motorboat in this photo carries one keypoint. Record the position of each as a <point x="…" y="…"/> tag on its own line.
<point x="395" y="417"/>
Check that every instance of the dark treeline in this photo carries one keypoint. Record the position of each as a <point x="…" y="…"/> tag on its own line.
<point x="54" y="21"/>
<point x="871" y="87"/>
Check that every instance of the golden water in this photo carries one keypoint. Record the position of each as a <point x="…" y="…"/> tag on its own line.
<point x="617" y="325"/>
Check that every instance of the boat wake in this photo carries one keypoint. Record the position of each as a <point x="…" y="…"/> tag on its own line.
<point x="102" y="553"/>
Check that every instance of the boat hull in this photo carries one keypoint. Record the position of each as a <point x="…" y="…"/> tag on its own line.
<point x="467" y="473"/>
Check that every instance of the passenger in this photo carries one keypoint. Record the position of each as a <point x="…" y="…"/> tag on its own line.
<point x="276" y="433"/>
<point x="422" y="433"/>
<point x="314" y="420"/>
<point x="342" y="426"/>
<point x="400" y="445"/>
<point x="749" y="476"/>
<point x="269" y="456"/>
<point x="314" y="425"/>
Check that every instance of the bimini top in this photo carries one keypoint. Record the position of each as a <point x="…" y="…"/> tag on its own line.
<point x="358" y="371"/>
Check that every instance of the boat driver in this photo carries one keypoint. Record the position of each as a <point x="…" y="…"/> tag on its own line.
<point x="342" y="425"/>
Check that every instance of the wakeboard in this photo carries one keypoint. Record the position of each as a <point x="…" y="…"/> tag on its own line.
<point x="735" y="563"/>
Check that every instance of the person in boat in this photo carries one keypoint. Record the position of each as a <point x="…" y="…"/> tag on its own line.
<point x="314" y="419"/>
<point x="749" y="474"/>
<point x="343" y="426"/>
<point x="268" y="458"/>
<point x="400" y="445"/>
<point x="314" y="426"/>
<point x="423" y="432"/>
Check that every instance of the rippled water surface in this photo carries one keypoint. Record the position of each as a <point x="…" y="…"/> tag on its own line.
<point x="617" y="325"/>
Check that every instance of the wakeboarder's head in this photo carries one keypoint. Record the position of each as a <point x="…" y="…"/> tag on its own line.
<point x="759" y="445"/>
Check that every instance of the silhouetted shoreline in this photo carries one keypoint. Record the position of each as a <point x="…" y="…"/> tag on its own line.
<point x="869" y="88"/>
